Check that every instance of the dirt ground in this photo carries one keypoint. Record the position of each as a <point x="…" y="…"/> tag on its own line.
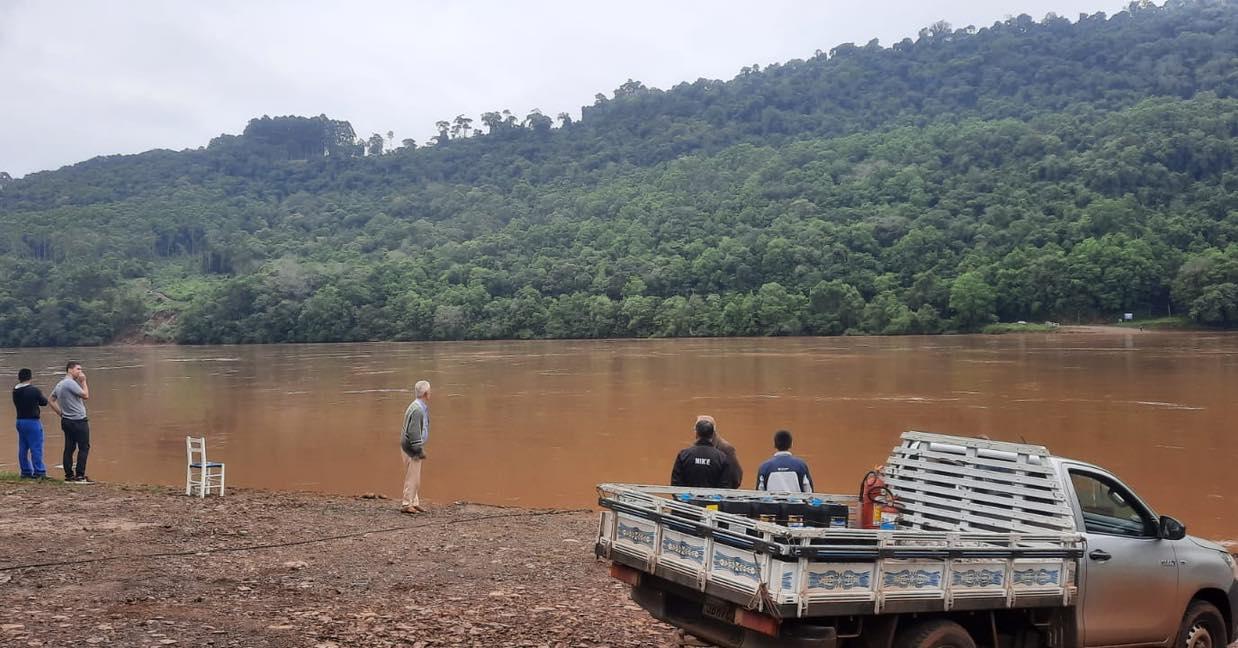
<point x="169" y="569"/>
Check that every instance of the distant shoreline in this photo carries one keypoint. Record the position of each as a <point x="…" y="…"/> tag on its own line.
<point x="1105" y="329"/>
<point x="1004" y="328"/>
<point x="1159" y="324"/>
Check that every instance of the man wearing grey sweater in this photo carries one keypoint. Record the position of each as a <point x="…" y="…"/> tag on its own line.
<point x="412" y="441"/>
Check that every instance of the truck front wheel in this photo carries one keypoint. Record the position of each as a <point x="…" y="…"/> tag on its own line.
<point x="939" y="633"/>
<point x="1202" y="627"/>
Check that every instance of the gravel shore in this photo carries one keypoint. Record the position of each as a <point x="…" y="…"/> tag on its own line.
<point x="154" y="567"/>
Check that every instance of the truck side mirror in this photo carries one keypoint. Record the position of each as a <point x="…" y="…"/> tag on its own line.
<point x="1171" y="529"/>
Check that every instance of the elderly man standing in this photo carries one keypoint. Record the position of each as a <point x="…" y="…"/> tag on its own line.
<point x="412" y="442"/>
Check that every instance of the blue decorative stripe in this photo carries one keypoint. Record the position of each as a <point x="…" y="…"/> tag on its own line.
<point x="684" y="549"/>
<point x="735" y="565"/>
<point x="1028" y="577"/>
<point x="914" y="579"/>
<point x="635" y="534"/>
<point x="844" y="580"/>
<point x="977" y="578"/>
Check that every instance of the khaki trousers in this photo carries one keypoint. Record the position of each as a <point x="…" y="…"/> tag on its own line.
<point x="412" y="481"/>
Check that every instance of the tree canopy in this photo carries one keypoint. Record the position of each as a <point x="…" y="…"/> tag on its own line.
<point x="1027" y="170"/>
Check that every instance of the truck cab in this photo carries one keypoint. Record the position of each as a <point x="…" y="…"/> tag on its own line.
<point x="1143" y="580"/>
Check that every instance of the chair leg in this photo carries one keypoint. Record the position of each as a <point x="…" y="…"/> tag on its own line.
<point x="188" y="480"/>
<point x="203" y="483"/>
<point x="221" y="481"/>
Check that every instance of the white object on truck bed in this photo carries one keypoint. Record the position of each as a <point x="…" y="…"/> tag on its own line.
<point x="947" y="483"/>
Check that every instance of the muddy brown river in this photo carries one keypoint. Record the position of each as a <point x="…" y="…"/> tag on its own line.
<point x="540" y="423"/>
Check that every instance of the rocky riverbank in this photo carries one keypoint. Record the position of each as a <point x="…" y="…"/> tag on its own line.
<point x="152" y="567"/>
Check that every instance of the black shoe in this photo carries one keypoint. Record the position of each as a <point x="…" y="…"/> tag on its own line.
<point x="82" y="479"/>
<point x="27" y="476"/>
<point x="69" y="478"/>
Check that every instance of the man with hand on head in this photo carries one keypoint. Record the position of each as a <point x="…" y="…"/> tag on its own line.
<point x="68" y="399"/>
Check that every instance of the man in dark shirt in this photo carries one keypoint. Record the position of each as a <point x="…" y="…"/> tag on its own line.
<point x="734" y="472"/>
<point x="701" y="465"/>
<point x="27" y="399"/>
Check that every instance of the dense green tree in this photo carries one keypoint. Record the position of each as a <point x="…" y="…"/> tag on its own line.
<point x="973" y="301"/>
<point x="1199" y="272"/>
<point x="887" y="315"/>
<point x="778" y="312"/>
<point x="1023" y="170"/>
<point x="460" y="126"/>
<point x="1217" y="305"/>
<point x="835" y="307"/>
<point x="374" y="146"/>
<point x="325" y="316"/>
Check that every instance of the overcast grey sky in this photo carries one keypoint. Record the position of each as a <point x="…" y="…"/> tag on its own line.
<point x="86" y="78"/>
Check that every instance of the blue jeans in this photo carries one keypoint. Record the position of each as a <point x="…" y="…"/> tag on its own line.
<point x="30" y="447"/>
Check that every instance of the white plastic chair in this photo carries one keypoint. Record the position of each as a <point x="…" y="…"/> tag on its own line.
<point x="210" y="474"/>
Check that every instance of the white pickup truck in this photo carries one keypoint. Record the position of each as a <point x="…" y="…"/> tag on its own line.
<point x="998" y="544"/>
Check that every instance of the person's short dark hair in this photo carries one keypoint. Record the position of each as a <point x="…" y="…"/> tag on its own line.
<point x="70" y="365"/>
<point x="782" y="440"/>
<point x="24" y="374"/>
<point x="704" y="429"/>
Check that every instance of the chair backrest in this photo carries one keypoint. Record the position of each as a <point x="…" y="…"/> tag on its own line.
<point x="195" y="445"/>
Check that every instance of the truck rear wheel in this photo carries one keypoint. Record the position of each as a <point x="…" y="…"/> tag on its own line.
<point x="1202" y="627"/>
<point x="939" y="633"/>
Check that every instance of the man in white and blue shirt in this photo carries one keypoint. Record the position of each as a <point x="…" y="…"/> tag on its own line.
<point x="784" y="472"/>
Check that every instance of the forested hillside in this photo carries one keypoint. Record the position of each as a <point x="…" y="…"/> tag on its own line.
<point x="1027" y="170"/>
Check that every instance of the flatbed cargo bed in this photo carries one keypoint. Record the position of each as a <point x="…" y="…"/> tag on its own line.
<point x="805" y="571"/>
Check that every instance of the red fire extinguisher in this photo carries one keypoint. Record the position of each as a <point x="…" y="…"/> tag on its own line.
<point x="878" y="506"/>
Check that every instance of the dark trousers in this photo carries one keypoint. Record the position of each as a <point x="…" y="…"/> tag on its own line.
<point x="76" y="437"/>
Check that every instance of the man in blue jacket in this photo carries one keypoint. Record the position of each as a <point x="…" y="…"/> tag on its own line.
<point x="784" y="472"/>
